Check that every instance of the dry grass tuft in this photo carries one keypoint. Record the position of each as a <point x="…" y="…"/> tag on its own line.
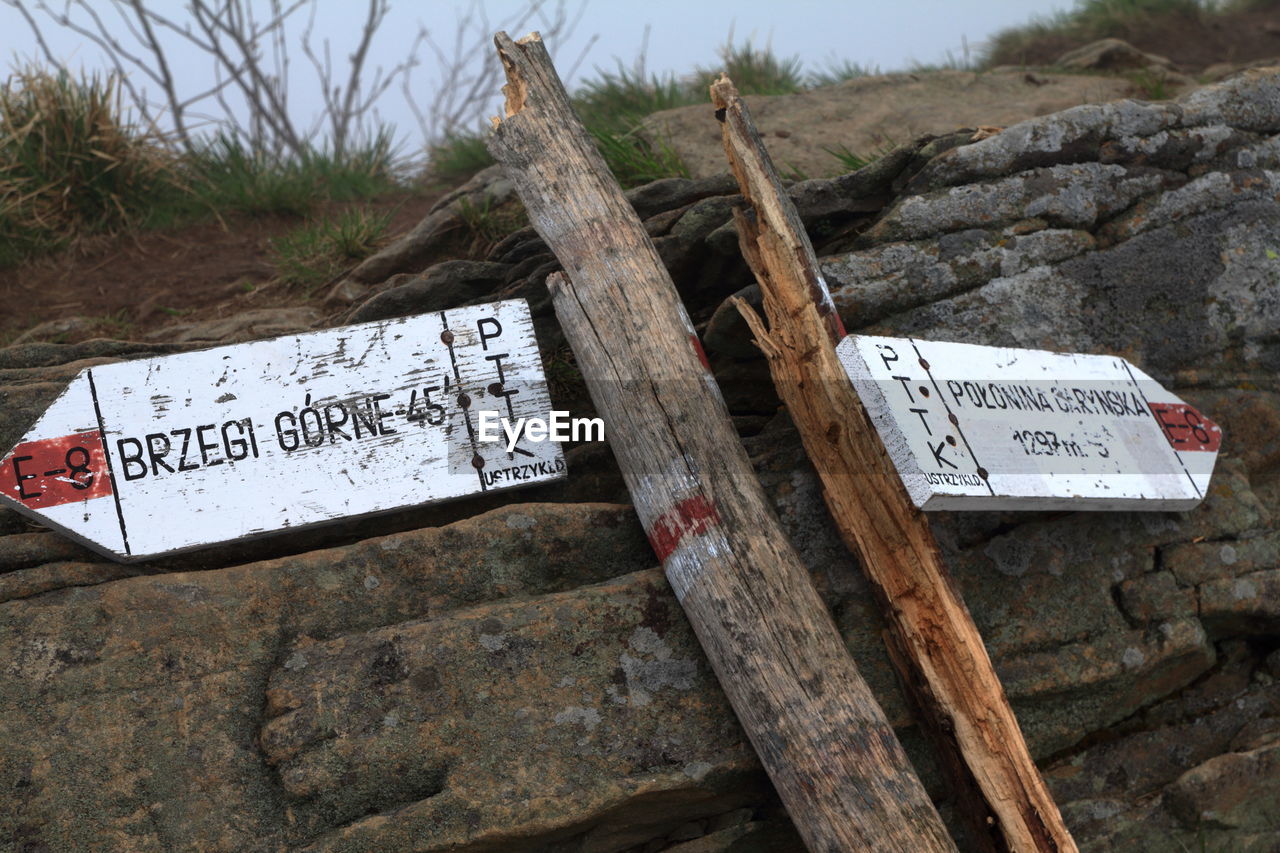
<point x="71" y="162"/>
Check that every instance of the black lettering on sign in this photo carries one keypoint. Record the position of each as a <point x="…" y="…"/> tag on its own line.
<point x="953" y="479"/>
<point x="497" y="358"/>
<point x="237" y="449"/>
<point x="1170" y="426"/>
<point x="157" y="456"/>
<point x="206" y="446"/>
<point x="485" y="337"/>
<point x="362" y="418"/>
<point x="333" y="425"/>
<point x="186" y="445"/>
<point x="312" y="433"/>
<point x="78" y="466"/>
<point x="906" y="386"/>
<point x="523" y="472"/>
<point x="381" y="415"/>
<point x="233" y="441"/>
<point x="432" y="413"/>
<point x="287" y="438"/>
<point x="131" y="459"/>
<point x="937" y="454"/>
<point x="923" y="419"/>
<point x="1197" y="426"/>
<point x="17" y="472"/>
<point x="888" y="355"/>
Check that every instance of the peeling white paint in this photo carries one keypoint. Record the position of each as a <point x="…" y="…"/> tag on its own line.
<point x="154" y="456"/>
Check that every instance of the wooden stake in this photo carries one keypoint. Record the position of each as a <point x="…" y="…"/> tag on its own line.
<point x="931" y="625"/>
<point x="833" y="757"/>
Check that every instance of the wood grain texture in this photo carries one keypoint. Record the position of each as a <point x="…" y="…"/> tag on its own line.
<point x="833" y="757"/>
<point x="951" y="673"/>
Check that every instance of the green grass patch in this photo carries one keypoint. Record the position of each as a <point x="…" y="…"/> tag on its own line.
<point x="635" y="161"/>
<point x="311" y="255"/>
<point x="489" y="224"/>
<point x="224" y="175"/>
<point x="72" y="163"/>
<point x="457" y="158"/>
<point x="850" y="161"/>
<point x="614" y="104"/>
<point x="839" y="71"/>
<point x="612" y="108"/>
<point x="754" y="71"/>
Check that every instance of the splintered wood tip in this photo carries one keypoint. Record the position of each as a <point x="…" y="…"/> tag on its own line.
<point x="723" y="91"/>
<point x="516" y="91"/>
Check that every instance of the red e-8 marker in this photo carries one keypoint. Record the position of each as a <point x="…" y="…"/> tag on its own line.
<point x="149" y="457"/>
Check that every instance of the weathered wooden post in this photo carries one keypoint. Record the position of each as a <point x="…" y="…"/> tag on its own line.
<point x="949" y="670"/>
<point x="833" y="757"/>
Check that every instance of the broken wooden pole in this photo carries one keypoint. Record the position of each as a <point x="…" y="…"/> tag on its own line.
<point x="826" y="744"/>
<point x="930" y="624"/>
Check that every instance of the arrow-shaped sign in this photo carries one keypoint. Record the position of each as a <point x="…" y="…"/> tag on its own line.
<point x="149" y="457"/>
<point x="976" y="427"/>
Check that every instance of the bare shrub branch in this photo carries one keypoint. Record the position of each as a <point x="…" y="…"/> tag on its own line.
<point x="470" y="70"/>
<point x="249" y="52"/>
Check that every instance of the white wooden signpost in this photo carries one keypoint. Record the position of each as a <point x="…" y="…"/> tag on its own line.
<point x="149" y="457"/>
<point x="976" y="427"/>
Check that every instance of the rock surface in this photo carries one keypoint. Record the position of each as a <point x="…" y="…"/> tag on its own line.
<point x="515" y="675"/>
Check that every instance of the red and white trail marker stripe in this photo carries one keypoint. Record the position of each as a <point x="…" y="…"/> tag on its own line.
<point x="975" y="427"/>
<point x="150" y="457"/>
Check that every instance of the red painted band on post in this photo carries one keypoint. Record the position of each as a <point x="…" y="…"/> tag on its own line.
<point x="1187" y="429"/>
<point x="54" y="471"/>
<point x="837" y="327"/>
<point x="702" y="354"/>
<point x="691" y="516"/>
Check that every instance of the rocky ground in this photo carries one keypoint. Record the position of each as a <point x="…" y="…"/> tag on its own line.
<point x="512" y="673"/>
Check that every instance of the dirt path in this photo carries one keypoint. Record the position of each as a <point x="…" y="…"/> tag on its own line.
<point x="125" y="284"/>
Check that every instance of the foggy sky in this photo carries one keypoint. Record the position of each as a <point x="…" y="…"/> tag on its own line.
<point x="683" y="34"/>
